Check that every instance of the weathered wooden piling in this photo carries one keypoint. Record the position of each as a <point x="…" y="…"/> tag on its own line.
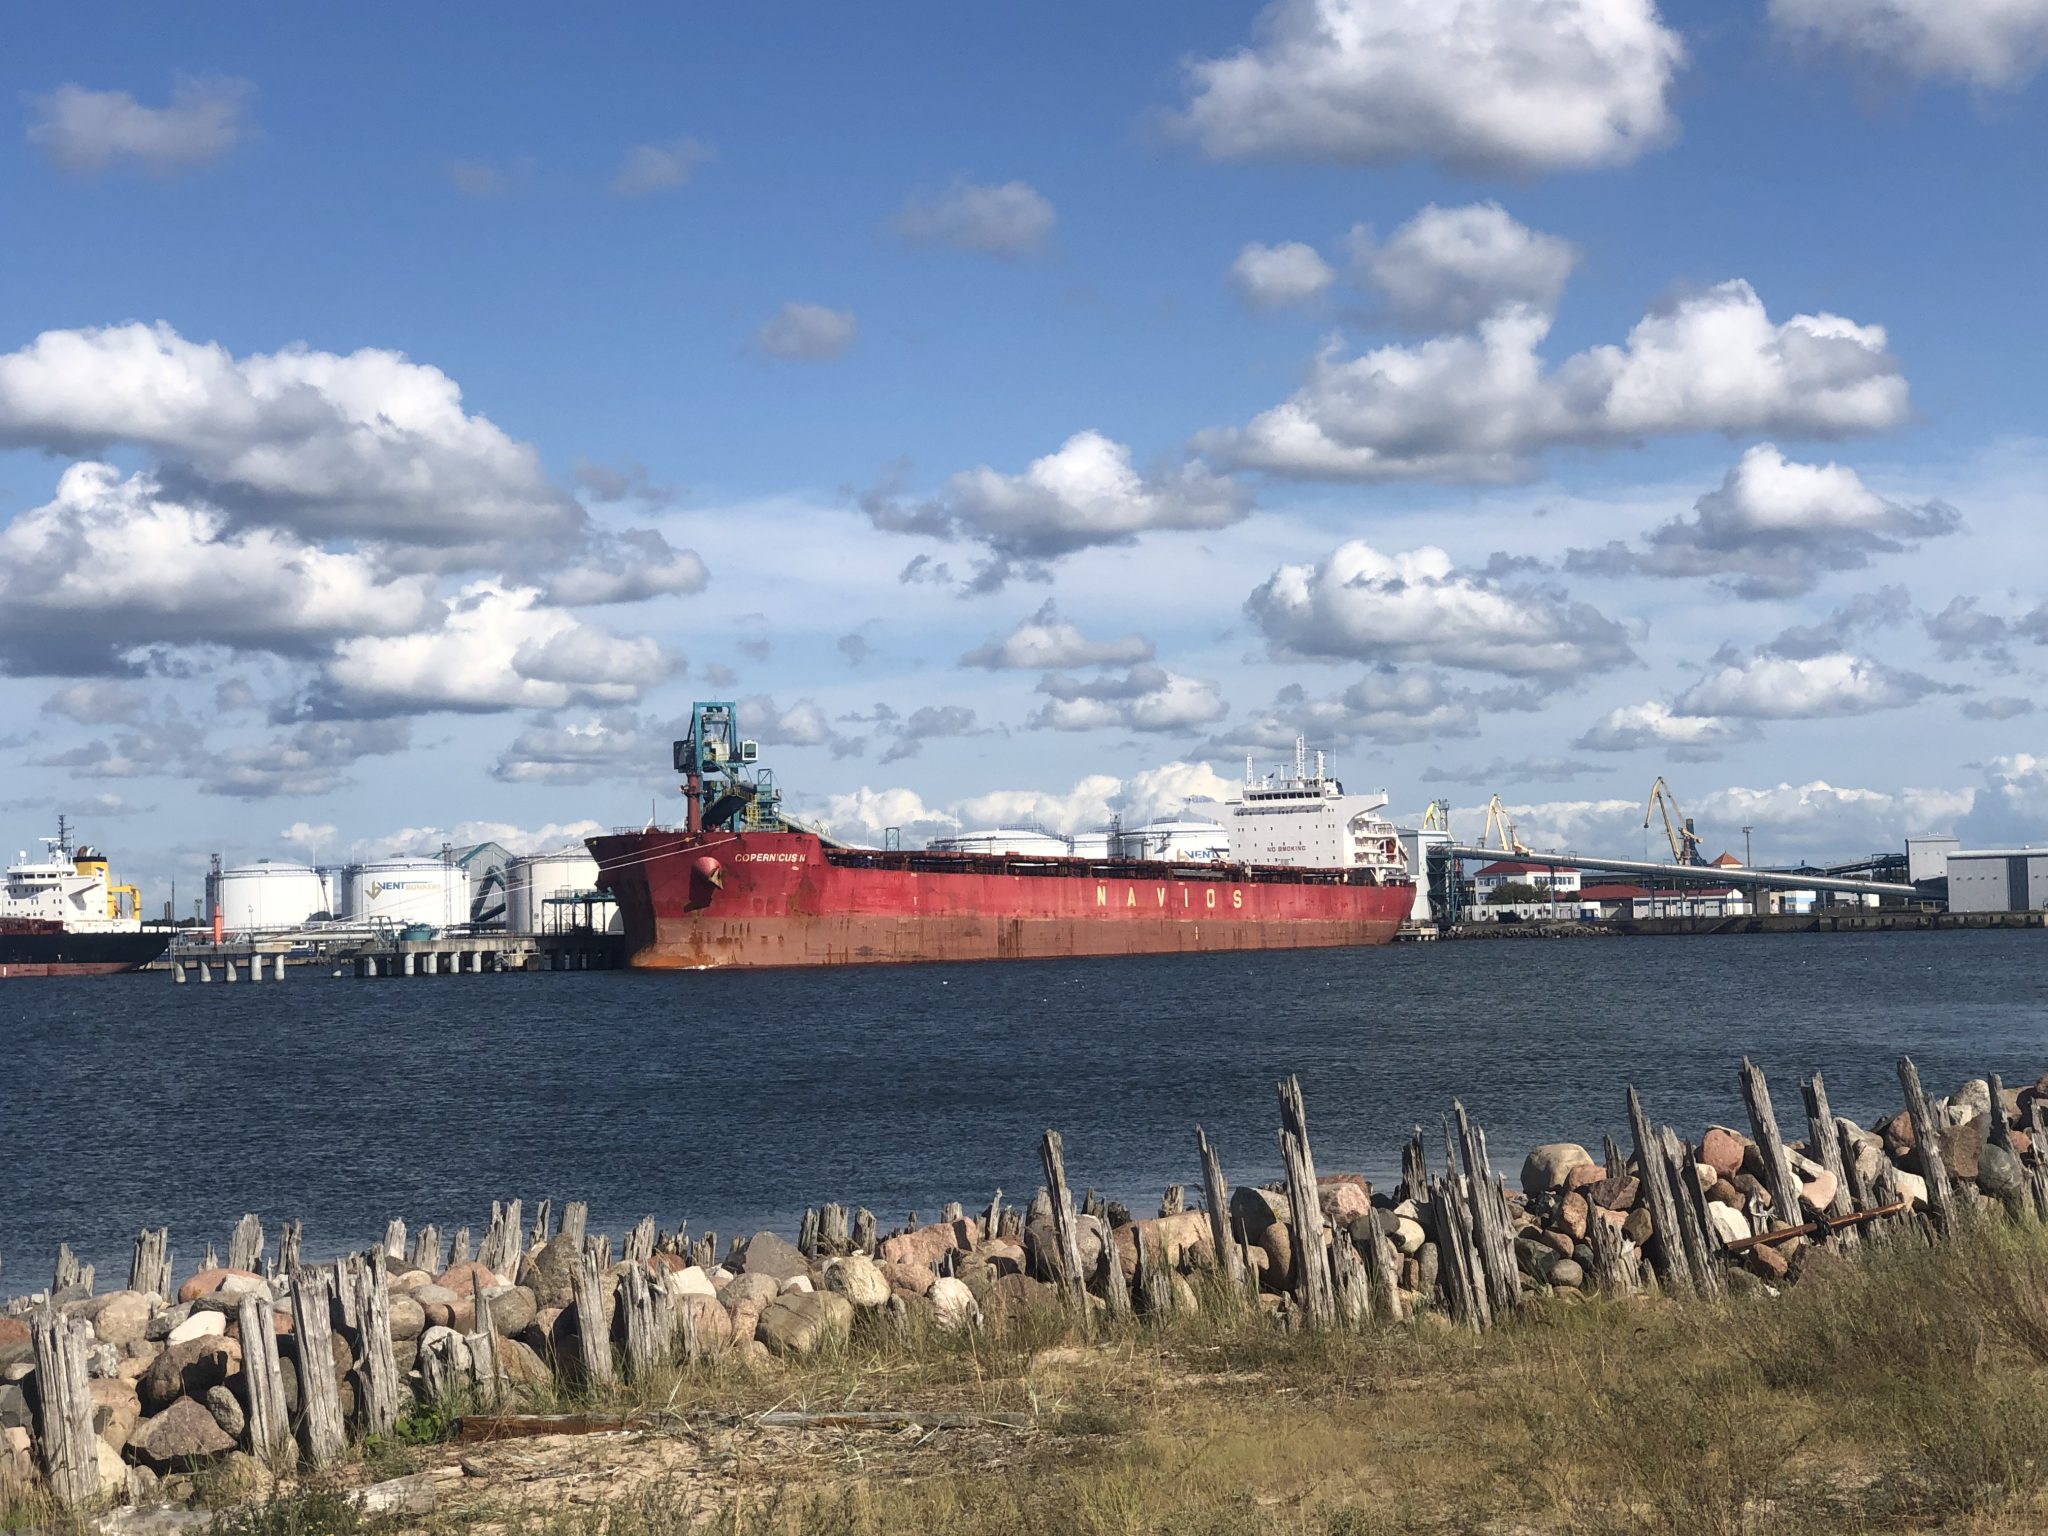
<point x="269" y="1426"/>
<point x="150" y="1270"/>
<point x="1313" y="1288"/>
<point x="1216" y="1200"/>
<point x="325" y="1437"/>
<point x="1073" y="1281"/>
<point x="593" y="1339"/>
<point x="1824" y="1145"/>
<point x="378" y="1381"/>
<point x="1670" y="1258"/>
<point x="1941" y="1200"/>
<point x="63" y="1399"/>
<point x="245" y="1247"/>
<point x="1763" y="1124"/>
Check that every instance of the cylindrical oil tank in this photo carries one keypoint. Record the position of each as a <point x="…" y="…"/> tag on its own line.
<point x="269" y="894"/>
<point x="531" y="882"/>
<point x="1089" y="845"/>
<point x="409" y="890"/>
<point x="1188" y="840"/>
<point x="1005" y="840"/>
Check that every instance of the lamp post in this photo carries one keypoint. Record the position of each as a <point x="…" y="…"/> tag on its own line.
<point x="1749" y="862"/>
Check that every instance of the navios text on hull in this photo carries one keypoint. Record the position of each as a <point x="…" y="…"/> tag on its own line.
<point x="740" y="885"/>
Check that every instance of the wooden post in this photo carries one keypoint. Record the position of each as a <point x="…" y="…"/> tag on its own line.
<point x="65" y="1273"/>
<point x="1350" y="1289"/>
<point x="991" y="1217"/>
<point x="1612" y="1272"/>
<point x="394" y="1241"/>
<point x="64" y="1408"/>
<point x="592" y="1337"/>
<point x="832" y="1228"/>
<point x="543" y="1217"/>
<point x="290" y="1235"/>
<point x="1826" y="1147"/>
<point x="1384" y="1275"/>
<point x="1493" y="1239"/>
<point x="1216" y="1196"/>
<point x="150" y="1270"/>
<point x="1304" y="1199"/>
<point x="1940" y="1197"/>
<point x="1999" y="1132"/>
<point x="575" y="1216"/>
<point x="864" y="1229"/>
<point x="1066" y="1232"/>
<point x="1155" y="1286"/>
<point x="1414" y="1167"/>
<point x="1116" y="1291"/>
<point x="319" y="1396"/>
<point x="1457" y="1269"/>
<point x="1672" y="1266"/>
<point x="636" y="1323"/>
<point x="599" y="1246"/>
<point x="245" y="1248"/>
<point x="458" y="1248"/>
<point x="1174" y="1201"/>
<point x="1763" y="1122"/>
<point x="270" y="1427"/>
<point x="486" y="1373"/>
<point x="377" y="1405"/>
<point x="1695" y="1229"/>
<point x="807" y="1233"/>
<point x="640" y="1242"/>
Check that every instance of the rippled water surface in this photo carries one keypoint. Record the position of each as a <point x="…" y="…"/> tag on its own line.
<point x="736" y="1100"/>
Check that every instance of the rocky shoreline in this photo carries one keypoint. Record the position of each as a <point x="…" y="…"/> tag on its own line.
<point x="260" y="1367"/>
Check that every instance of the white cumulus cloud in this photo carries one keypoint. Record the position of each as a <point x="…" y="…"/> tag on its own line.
<point x="1479" y="85"/>
<point x="1685" y="738"/>
<point x="1011" y="218"/>
<point x="84" y="130"/>
<point x="1485" y="405"/>
<point x="1146" y="698"/>
<point x="811" y="333"/>
<point x="660" y="167"/>
<point x="1274" y="276"/>
<point x="1995" y="44"/>
<point x="1046" y="641"/>
<point x="1769" y="687"/>
<point x="1449" y="268"/>
<point x="1359" y="604"/>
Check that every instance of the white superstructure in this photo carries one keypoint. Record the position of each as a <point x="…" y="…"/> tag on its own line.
<point x="1183" y="840"/>
<point x="76" y="891"/>
<point x="1306" y="820"/>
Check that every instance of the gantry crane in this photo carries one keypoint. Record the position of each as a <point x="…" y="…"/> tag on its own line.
<point x="1685" y="843"/>
<point x="1497" y="821"/>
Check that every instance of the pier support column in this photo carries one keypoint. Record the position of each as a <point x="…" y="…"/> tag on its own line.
<point x="476" y="963"/>
<point x="280" y="967"/>
<point x="205" y="971"/>
<point x="411" y="963"/>
<point x="227" y="970"/>
<point x="255" y="967"/>
<point x="178" y="974"/>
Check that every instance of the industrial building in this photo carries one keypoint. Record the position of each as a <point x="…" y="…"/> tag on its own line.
<point x="557" y="893"/>
<point x="1998" y="880"/>
<point x="1555" y="883"/>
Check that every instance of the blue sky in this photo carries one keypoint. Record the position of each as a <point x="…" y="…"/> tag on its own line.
<point x="1017" y="240"/>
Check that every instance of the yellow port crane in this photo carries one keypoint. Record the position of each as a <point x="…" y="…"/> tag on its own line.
<point x="1438" y="817"/>
<point x="1497" y="821"/>
<point x="1685" y="843"/>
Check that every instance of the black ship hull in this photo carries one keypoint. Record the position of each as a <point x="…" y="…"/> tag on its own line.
<point x="77" y="954"/>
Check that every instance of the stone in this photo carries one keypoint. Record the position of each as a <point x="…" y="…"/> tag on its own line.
<point x="911" y="1279"/>
<point x="690" y="1280"/>
<point x="521" y="1365"/>
<point x="1897" y="1135"/>
<point x="953" y="1304"/>
<point x="185" y="1370"/>
<point x="714" y="1324"/>
<point x="1723" y="1150"/>
<point x="1725" y="1193"/>
<point x="759" y="1289"/>
<point x="1005" y="1257"/>
<point x="1407" y="1236"/>
<point x="801" y="1323"/>
<point x="1573" y="1212"/>
<point x="1962" y="1146"/>
<point x="1253" y="1210"/>
<point x="929" y="1245"/>
<point x="1615" y="1194"/>
<point x="112" y="1469"/>
<point x="1566" y="1274"/>
<point x="1968" y="1102"/>
<point x="1169" y="1238"/>
<point x="208" y="1281"/>
<point x="547" y="1271"/>
<point x="119" y="1317"/>
<point x="1912" y="1188"/>
<point x="242" y="1479"/>
<point x="1818" y="1192"/>
<point x="200" y="1325"/>
<point x="1999" y="1173"/>
<point x="408" y="1318"/>
<point x="1277" y="1243"/>
<point x="857" y="1279"/>
<point x="513" y="1308"/>
<point x="1343" y="1197"/>
<point x="226" y="1411"/>
<point x="464" y="1278"/>
<point x="410" y="1280"/>
<point x="1548" y="1166"/>
<point x="794" y="1284"/>
<point x="1729" y="1224"/>
<point x="1585" y="1176"/>
<point x="14" y="1409"/>
<point x="1768" y="1262"/>
<point x="115" y="1410"/>
<point x="1018" y="1295"/>
<point x="14" y="1340"/>
<point x="1752" y="1189"/>
<point x="775" y="1257"/>
<point x="1041" y="1246"/>
<point x="183" y="1434"/>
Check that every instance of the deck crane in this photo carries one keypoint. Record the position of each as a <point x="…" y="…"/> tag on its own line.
<point x="1685" y="843"/>
<point x="1497" y="821"/>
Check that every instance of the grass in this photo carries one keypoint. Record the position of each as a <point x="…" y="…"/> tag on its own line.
<point x="1906" y="1393"/>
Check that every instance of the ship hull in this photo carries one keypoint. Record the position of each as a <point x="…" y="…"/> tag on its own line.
<point x="773" y="899"/>
<point x="77" y="954"/>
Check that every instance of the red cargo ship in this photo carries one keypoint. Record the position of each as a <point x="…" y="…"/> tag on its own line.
<point x="740" y="886"/>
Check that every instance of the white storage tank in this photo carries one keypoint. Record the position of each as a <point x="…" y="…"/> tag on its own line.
<point x="530" y="882"/>
<point x="1188" y="840"/>
<point x="1004" y="840"/>
<point x="1089" y="845"/>
<point x="409" y="890"/>
<point x="269" y="894"/>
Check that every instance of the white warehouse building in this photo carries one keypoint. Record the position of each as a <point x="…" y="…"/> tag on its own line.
<point x="1998" y="880"/>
